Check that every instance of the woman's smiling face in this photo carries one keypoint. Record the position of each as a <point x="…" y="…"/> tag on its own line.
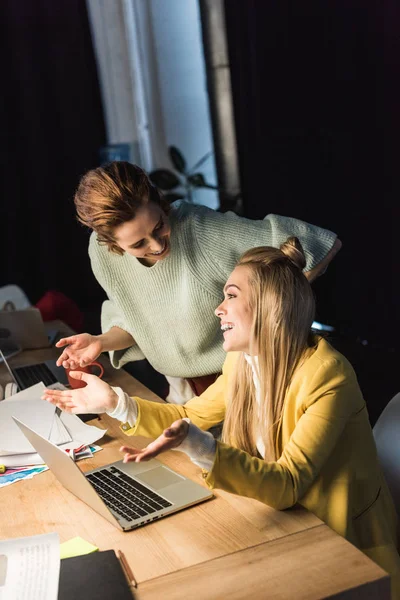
<point x="235" y="313"/>
<point x="147" y="236"/>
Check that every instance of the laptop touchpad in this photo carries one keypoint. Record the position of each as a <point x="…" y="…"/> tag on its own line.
<point x="158" y="478"/>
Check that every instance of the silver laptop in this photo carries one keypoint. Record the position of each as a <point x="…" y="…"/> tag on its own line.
<point x="127" y="495"/>
<point x="48" y="372"/>
<point x="24" y="327"/>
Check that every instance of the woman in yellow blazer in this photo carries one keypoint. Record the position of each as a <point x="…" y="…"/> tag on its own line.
<point x="296" y="427"/>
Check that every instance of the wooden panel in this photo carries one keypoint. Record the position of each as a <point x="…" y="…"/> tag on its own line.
<point x="309" y="565"/>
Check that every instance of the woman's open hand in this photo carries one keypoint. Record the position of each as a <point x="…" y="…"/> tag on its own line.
<point x="81" y="350"/>
<point x="96" y="397"/>
<point x="172" y="437"/>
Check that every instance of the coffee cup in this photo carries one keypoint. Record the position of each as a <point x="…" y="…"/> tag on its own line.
<point x="79" y="383"/>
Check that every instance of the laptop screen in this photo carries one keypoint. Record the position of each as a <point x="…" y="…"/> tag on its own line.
<point x="4" y="360"/>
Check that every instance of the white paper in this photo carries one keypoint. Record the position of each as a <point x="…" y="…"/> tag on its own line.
<point x="59" y="433"/>
<point x="36" y="414"/>
<point x="21" y="460"/>
<point x="30" y="568"/>
<point x="70" y="432"/>
<point x="81" y="433"/>
<point x="35" y="391"/>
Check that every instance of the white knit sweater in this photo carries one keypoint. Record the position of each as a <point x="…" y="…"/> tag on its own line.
<point x="168" y="308"/>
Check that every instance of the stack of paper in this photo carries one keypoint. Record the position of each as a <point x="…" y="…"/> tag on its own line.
<point x="30" y="567"/>
<point x="65" y="430"/>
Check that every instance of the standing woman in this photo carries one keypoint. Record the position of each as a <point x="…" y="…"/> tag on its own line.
<point x="296" y="427"/>
<point x="163" y="268"/>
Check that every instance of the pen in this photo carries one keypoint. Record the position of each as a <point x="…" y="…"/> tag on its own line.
<point x="3" y="468"/>
<point x="128" y="572"/>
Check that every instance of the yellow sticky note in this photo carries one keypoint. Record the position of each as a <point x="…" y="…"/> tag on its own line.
<point x="76" y="547"/>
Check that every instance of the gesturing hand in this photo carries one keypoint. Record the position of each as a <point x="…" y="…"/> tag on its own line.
<point x="81" y="350"/>
<point x="96" y="397"/>
<point x="172" y="437"/>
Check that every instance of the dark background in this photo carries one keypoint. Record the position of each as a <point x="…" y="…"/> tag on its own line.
<point x="316" y="96"/>
<point x="51" y="129"/>
<point x="316" y="91"/>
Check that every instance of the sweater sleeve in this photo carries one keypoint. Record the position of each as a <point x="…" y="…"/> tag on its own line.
<point x="111" y="316"/>
<point x="331" y="403"/>
<point x="199" y="446"/>
<point x="224" y="237"/>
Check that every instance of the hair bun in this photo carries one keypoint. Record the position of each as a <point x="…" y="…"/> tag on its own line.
<point x="294" y="251"/>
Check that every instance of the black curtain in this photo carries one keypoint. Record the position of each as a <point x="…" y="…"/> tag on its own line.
<point x="316" y="94"/>
<point x="51" y="128"/>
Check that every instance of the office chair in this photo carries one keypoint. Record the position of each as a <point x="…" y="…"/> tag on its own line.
<point x="387" y="438"/>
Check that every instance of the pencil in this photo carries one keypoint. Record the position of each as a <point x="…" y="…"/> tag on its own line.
<point x="125" y="566"/>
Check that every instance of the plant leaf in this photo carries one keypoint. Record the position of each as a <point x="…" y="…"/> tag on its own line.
<point x="201" y="161"/>
<point x="177" y="159"/>
<point x="164" y="179"/>
<point x="197" y="180"/>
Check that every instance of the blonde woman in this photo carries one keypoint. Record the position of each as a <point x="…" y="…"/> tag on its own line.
<point x="163" y="268"/>
<point x="296" y="427"/>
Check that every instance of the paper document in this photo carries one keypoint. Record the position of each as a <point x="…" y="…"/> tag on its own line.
<point x="81" y="433"/>
<point x="62" y="429"/>
<point x="30" y="568"/>
<point x="35" y="391"/>
<point x="36" y="414"/>
<point x="59" y="433"/>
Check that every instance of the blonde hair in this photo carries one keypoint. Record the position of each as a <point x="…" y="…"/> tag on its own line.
<point x="111" y="195"/>
<point x="283" y="306"/>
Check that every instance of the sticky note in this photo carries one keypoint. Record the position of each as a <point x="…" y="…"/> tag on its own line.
<point x="76" y="547"/>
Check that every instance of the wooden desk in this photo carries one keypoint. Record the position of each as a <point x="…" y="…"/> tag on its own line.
<point x="201" y="542"/>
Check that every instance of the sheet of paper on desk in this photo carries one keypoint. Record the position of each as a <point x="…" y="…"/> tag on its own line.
<point x="18" y="474"/>
<point x="36" y="414"/>
<point x="30" y="567"/>
<point x="34" y="391"/>
<point x="58" y="433"/>
<point x="81" y="433"/>
<point x="17" y="471"/>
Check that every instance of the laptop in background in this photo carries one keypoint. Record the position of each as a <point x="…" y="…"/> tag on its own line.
<point x="127" y="495"/>
<point x="25" y="328"/>
<point x="48" y="372"/>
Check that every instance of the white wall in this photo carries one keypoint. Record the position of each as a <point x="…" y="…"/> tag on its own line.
<point x="152" y="74"/>
<point x="182" y="84"/>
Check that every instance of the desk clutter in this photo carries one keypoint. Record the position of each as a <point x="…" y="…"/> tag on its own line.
<point x="37" y="563"/>
<point x="18" y="458"/>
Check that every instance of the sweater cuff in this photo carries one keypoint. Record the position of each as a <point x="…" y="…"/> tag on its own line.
<point x="200" y="446"/>
<point x="126" y="409"/>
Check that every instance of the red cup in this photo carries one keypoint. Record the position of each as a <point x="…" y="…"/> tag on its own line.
<point x="79" y="383"/>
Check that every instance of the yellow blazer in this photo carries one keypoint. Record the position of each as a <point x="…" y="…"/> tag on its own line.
<point x="328" y="461"/>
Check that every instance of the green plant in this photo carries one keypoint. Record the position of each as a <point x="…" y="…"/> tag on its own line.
<point x="169" y="182"/>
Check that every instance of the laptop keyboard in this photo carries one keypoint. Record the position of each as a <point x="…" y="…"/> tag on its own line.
<point x="125" y="495"/>
<point x="27" y="376"/>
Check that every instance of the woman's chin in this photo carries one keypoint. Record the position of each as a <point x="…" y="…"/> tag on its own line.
<point x="227" y="346"/>
<point x="164" y="254"/>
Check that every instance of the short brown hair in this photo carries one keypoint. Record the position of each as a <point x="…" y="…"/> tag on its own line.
<point x="111" y="195"/>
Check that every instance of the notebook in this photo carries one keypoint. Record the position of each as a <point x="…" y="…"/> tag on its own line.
<point x="127" y="495"/>
<point x="97" y="576"/>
